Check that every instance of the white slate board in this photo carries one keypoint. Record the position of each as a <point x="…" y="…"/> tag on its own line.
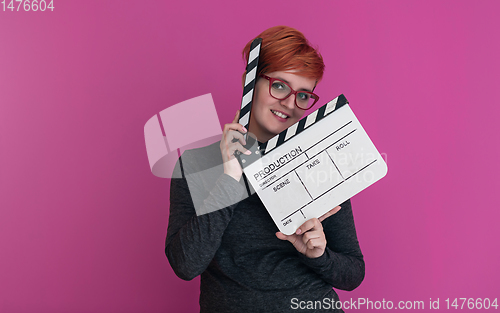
<point x="313" y="166"/>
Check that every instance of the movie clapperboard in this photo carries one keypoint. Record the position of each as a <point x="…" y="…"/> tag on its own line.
<point x="316" y="164"/>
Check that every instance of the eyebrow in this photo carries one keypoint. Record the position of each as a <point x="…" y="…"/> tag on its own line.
<point x="301" y="89"/>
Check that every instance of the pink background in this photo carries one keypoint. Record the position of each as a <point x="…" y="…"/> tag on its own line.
<point x="83" y="220"/>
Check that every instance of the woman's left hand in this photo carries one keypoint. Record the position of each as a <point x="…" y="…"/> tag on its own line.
<point x="309" y="239"/>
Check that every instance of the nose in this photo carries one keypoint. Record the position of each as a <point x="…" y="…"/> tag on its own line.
<point x="289" y="102"/>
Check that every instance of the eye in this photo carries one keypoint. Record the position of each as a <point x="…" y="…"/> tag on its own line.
<point x="302" y="96"/>
<point x="279" y="85"/>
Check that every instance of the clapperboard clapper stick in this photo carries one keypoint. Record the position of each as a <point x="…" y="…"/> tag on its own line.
<point x="248" y="91"/>
<point x="313" y="166"/>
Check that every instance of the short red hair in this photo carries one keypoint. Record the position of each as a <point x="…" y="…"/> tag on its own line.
<point x="285" y="48"/>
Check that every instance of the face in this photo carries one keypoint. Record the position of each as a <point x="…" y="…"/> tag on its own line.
<point x="270" y="116"/>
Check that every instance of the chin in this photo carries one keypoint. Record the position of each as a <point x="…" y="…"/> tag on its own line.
<point x="278" y="130"/>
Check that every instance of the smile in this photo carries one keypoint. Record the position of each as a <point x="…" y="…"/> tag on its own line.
<point x="279" y="114"/>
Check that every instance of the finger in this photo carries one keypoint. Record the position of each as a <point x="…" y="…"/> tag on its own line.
<point x="292" y="238"/>
<point x="281" y="236"/>
<point x="315" y="243"/>
<point x="234" y="136"/>
<point x="311" y="224"/>
<point x="234" y="126"/>
<point x="329" y="213"/>
<point x="311" y="235"/>
<point x="237" y="146"/>
<point x="236" y="117"/>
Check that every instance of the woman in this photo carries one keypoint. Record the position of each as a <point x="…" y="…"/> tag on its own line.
<point x="221" y="231"/>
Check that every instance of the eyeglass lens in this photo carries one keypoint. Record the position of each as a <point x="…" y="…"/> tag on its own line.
<point x="280" y="90"/>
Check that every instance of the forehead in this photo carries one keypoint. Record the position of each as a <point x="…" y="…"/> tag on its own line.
<point x="295" y="81"/>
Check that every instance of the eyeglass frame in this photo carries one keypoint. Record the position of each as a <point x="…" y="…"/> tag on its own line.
<point x="292" y="92"/>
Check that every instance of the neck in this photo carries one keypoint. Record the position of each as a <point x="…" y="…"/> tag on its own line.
<point x="259" y="134"/>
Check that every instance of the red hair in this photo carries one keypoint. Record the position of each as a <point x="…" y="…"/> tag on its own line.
<point x="285" y="48"/>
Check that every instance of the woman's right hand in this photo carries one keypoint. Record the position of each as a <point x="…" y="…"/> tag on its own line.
<point x="232" y="140"/>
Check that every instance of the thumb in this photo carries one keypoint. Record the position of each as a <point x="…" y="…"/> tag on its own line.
<point x="236" y="117"/>
<point x="282" y="236"/>
<point x="329" y="213"/>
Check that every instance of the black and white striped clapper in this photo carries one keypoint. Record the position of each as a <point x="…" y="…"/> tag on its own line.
<point x="250" y="78"/>
<point x="301" y="125"/>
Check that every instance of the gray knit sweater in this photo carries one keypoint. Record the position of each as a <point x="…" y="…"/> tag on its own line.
<point x="244" y="267"/>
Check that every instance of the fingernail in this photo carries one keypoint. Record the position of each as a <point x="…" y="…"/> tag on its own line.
<point x="248" y="152"/>
<point x="298" y="231"/>
<point x="244" y="129"/>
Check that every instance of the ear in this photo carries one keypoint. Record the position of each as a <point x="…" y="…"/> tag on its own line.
<point x="243" y="79"/>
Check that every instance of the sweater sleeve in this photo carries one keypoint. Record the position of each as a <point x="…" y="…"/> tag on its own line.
<point x="192" y="240"/>
<point x="342" y="264"/>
